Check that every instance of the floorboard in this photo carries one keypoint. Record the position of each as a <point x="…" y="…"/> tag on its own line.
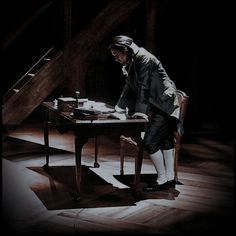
<point x="39" y="201"/>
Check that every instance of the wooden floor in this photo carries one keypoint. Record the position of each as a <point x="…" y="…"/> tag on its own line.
<point x="36" y="201"/>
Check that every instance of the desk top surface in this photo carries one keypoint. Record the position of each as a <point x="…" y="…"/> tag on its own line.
<point x="102" y="118"/>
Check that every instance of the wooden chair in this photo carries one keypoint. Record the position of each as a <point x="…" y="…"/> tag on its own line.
<point x="183" y="101"/>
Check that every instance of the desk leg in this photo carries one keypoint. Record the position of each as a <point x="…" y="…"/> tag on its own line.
<point x="79" y="142"/>
<point x="96" y="164"/>
<point x="138" y="167"/>
<point x="46" y="141"/>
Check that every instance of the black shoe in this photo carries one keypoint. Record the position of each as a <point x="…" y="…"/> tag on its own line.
<point x="171" y="183"/>
<point x="156" y="187"/>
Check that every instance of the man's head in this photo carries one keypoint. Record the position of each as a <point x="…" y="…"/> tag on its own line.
<point x="120" y="48"/>
<point x="121" y="42"/>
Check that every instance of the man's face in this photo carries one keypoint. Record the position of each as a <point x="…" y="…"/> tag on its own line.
<point x="120" y="56"/>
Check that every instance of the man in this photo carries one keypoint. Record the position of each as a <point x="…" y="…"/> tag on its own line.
<point x="149" y="93"/>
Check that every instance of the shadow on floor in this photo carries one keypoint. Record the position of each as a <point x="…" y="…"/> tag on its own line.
<point x="14" y="149"/>
<point x="56" y="191"/>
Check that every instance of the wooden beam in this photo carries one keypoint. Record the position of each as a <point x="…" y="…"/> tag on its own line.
<point x="150" y="21"/>
<point x="91" y="36"/>
<point x="11" y="37"/>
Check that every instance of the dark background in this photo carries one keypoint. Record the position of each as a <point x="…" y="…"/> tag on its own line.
<point x="193" y="42"/>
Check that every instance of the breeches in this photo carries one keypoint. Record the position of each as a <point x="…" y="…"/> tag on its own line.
<point x="159" y="133"/>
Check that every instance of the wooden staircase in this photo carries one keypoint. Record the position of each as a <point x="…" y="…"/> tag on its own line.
<point x="31" y="89"/>
<point x="48" y="73"/>
<point x="28" y="75"/>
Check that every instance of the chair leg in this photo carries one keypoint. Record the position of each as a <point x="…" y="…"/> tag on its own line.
<point x="122" y="146"/>
<point x="176" y="161"/>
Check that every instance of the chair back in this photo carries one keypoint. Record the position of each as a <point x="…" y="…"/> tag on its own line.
<point x="183" y="101"/>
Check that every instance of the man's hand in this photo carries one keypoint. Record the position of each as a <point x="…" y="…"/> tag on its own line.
<point x="140" y="115"/>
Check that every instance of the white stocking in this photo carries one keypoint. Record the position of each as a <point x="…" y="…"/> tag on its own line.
<point x="169" y="156"/>
<point x="158" y="161"/>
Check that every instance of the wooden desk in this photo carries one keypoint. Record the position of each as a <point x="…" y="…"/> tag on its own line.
<point x="85" y="129"/>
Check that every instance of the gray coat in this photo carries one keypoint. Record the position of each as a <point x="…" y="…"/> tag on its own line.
<point x="148" y="83"/>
